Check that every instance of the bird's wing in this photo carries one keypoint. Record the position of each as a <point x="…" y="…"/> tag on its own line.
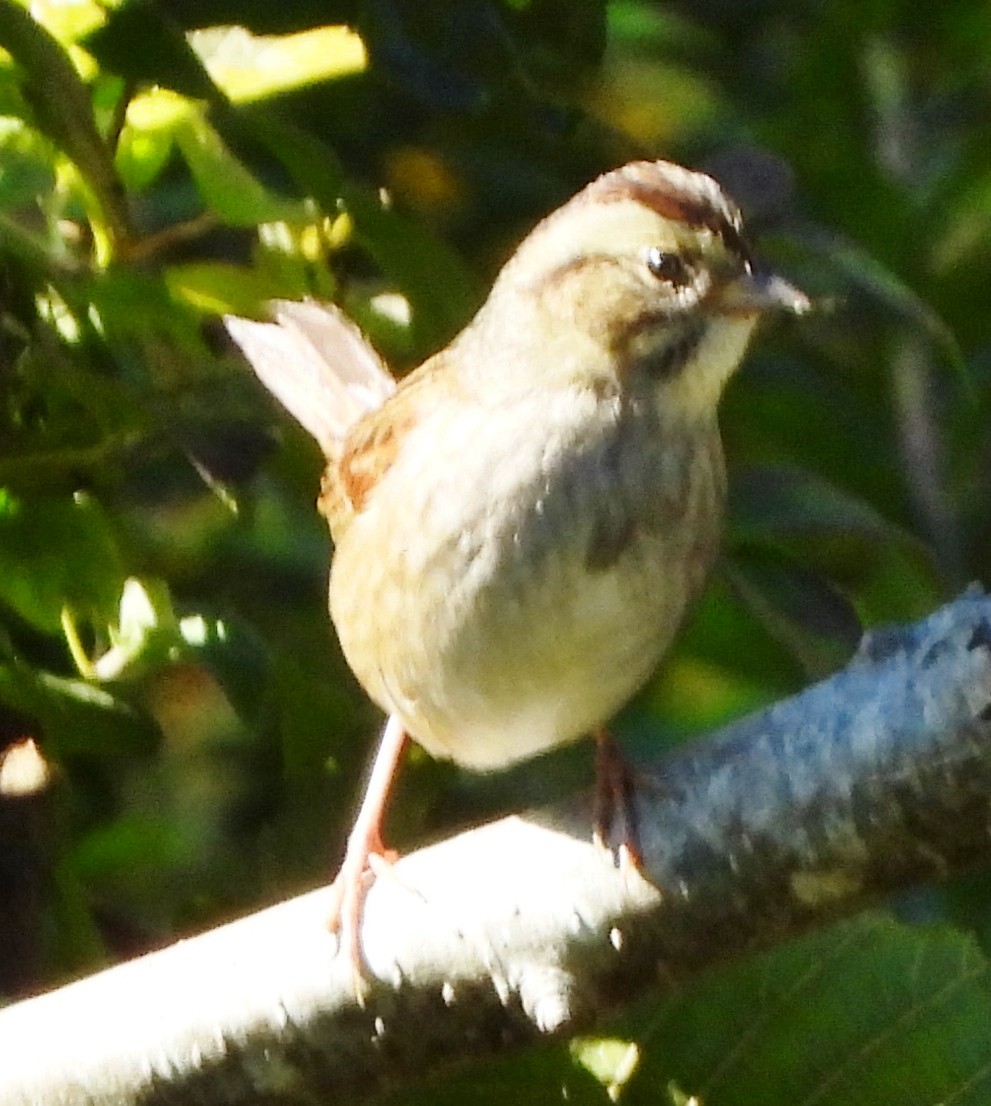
<point x="373" y="444"/>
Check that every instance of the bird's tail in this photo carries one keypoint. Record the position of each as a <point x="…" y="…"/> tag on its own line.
<point x="318" y="364"/>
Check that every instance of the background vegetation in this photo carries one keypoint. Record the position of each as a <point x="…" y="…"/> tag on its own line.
<point x="165" y="654"/>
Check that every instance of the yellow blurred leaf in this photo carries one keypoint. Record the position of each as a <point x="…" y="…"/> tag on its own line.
<point x="252" y="67"/>
<point x="610" y="1060"/>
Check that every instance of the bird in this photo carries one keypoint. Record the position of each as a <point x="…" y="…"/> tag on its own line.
<point x="521" y="524"/>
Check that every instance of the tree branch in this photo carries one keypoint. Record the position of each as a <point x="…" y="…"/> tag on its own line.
<point x="868" y="782"/>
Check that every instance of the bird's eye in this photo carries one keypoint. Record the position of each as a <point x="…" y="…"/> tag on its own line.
<point x="667" y="266"/>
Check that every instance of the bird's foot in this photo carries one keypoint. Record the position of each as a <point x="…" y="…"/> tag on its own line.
<point x="365" y="859"/>
<point x="614" y="816"/>
<point x="365" y="856"/>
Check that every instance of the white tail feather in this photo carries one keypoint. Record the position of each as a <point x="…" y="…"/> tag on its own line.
<point x="317" y="364"/>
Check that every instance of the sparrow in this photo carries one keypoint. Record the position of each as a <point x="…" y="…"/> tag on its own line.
<point x="521" y="523"/>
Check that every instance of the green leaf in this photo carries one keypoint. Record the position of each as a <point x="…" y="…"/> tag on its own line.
<point x="834" y="270"/>
<point x="59" y="471"/>
<point x="76" y="716"/>
<point x="768" y="500"/>
<point x="56" y="552"/>
<point x="441" y="288"/>
<point x="26" y="171"/>
<point x="871" y="1012"/>
<point x="142" y="44"/>
<point x="552" y="1076"/>
<point x="708" y="679"/>
<point x="135" y="310"/>
<point x="313" y="716"/>
<point x="131" y="852"/>
<point x="146" y="633"/>
<point x="62" y="106"/>
<point x="147" y="138"/>
<point x="219" y="288"/>
<point x="224" y="183"/>
<point x="813" y="621"/>
<point x="866" y="273"/>
<point x="236" y="657"/>
<point x="891" y="573"/>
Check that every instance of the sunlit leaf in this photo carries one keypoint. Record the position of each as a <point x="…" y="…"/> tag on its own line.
<point x="145" y="633"/>
<point x="611" y="1060"/>
<point x="224" y="183"/>
<point x="62" y="106"/>
<point x="68" y="22"/>
<point x="148" y="136"/>
<point x="218" y="288"/>
<point x="249" y="67"/>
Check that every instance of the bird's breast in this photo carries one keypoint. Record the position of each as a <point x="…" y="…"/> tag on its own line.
<point x="516" y="596"/>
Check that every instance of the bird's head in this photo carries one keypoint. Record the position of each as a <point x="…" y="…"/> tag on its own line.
<point x="645" y="273"/>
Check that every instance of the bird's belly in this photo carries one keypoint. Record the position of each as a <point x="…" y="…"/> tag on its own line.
<point x="526" y="628"/>
<point x="555" y="661"/>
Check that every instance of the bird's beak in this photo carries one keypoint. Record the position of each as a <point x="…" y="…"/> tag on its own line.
<point x="756" y="292"/>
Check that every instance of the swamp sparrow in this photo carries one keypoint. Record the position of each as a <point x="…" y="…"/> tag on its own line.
<point x="521" y="524"/>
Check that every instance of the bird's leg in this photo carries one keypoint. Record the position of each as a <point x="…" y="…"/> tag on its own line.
<point x="364" y="848"/>
<point x="614" y="802"/>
